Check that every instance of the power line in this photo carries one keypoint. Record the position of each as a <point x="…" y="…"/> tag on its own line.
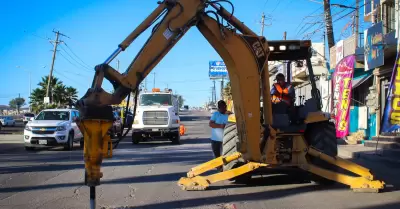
<point x="73" y="80"/>
<point x="69" y="55"/>
<point x="76" y="55"/>
<point x="78" y="67"/>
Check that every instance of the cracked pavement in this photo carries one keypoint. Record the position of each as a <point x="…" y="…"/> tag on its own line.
<point x="146" y="175"/>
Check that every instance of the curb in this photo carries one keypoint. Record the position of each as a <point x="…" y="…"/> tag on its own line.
<point x="380" y="159"/>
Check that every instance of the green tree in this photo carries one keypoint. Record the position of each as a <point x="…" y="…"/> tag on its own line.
<point x="61" y="95"/>
<point x="17" y="103"/>
<point x="181" y="101"/>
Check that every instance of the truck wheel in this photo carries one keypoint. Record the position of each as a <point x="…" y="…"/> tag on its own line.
<point x="322" y="136"/>
<point x="136" y="138"/>
<point x="70" y="143"/>
<point x="229" y="146"/>
<point x="176" y="138"/>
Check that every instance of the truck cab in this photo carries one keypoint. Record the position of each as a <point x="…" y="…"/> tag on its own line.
<point x="157" y="115"/>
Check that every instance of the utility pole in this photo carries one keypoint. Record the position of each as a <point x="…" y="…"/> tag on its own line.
<point x="154" y="81"/>
<point x="145" y="84"/>
<point x="56" y="42"/>
<point x="117" y="60"/>
<point x="262" y="23"/>
<point x="328" y="23"/>
<point x="222" y="89"/>
<point x="284" y="62"/>
<point x="357" y="21"/>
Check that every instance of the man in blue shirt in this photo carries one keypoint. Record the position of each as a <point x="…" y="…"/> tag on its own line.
<point x="217" y="122"/>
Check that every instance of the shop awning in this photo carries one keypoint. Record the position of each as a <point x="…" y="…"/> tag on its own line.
<point x="359" y="80"/>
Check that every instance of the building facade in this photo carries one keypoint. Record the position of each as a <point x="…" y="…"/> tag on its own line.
<point x="375" y="50"/>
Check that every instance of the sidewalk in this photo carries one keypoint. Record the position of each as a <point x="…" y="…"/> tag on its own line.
<point x="359" y="151"/>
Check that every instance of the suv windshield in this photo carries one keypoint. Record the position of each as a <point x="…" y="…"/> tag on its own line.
<point x="53" y="115"/>
<point x="155" y="99"/>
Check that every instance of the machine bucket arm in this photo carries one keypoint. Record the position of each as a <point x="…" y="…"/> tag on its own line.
<point x="244" y="54"/>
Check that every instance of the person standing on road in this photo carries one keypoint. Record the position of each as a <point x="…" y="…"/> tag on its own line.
<point x="217" y="122"/>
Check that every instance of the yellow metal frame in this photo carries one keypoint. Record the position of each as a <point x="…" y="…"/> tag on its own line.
<point x="364" y="183"/>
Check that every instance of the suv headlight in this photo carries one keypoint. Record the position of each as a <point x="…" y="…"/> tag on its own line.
<point x="61" y="128"/>
<point x="28" y="128"/>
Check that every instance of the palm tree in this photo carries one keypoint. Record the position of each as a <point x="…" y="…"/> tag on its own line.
<point x="227" y="91"/>
<point x="60" y="94"/>
<point x="71" y="95"/>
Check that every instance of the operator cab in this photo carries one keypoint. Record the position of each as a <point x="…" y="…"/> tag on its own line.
<point x="293" y="119"/>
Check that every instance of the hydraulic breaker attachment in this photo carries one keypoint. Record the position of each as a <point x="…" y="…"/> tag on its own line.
<point x="94" y="124"/>
<point x="107" y="147"/>
<point x="364" y="183"/>
<point x="195" y="182"/>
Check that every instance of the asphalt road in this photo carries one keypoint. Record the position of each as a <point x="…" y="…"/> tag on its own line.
<point x="146" y="175"/>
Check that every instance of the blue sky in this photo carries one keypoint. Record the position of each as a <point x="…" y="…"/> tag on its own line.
<point x="96" y="27"/>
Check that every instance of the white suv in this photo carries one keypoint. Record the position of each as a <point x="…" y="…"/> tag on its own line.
<point x="53" y="127"/>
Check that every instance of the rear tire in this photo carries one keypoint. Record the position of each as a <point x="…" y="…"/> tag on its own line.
<point x="229" y="146"/>
<point x="175" y="138"/>
<point x="322" y="136"/>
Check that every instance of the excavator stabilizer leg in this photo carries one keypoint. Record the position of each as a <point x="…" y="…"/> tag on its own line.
<point x="195" y="182"/>
<point x="364" y="183"/>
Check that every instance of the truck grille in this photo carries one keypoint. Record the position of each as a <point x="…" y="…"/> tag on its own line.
<point x="155" y="118"/>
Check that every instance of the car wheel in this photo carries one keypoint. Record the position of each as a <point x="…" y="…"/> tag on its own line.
<point x="13" y="124"/>
<point x="70" y="143"/>
<point x="82" y="143"/>
<point x="29" y="148"/>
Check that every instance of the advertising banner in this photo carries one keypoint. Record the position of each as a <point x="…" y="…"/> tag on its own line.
<point x="342" y="79"/>
<point x="391" y="115"/>
<point x="217" y="70"/>
<point x="373" y="47"/>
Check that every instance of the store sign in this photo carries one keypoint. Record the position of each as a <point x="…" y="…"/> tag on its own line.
<point x="391" y="115"/>
<point x="342" y="79"/>
<point x="373" y="47"/>
<point x="339" y="51"/>
<point x="217" y="69"/>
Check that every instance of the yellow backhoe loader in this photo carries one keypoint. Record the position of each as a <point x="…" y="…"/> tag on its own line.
<point x="272" y="143"/>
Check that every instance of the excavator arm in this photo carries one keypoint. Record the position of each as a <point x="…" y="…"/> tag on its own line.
<point x="244" y="53"/>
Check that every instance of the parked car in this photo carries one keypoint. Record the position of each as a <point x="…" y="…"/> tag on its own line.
<point x="128" y="119"/>
<point x="115" y="130"/>
<point x="27" y="117"/>
<point x="213" y="110"/>
<point x="7" y="121"/>
<point x="53" y="127"/>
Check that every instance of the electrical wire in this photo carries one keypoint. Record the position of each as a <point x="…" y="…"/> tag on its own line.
<point x="69" y="55"/>
<point x="78" y="67"/>
<point x="76" y="55"/>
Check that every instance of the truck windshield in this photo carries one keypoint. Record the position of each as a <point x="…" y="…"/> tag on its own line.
<point x="155" y="99"/>
<point x="53" y="115"/>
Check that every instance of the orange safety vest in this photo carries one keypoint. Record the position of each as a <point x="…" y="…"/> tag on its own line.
<point x="281" y="94"/>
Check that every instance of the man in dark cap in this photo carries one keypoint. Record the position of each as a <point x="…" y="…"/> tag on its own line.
<point x="282" y="91"/>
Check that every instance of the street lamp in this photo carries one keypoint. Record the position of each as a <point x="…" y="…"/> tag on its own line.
<point x="30" y="86"/>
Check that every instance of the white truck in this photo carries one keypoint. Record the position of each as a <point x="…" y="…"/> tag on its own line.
<point x="157" y="115"/>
